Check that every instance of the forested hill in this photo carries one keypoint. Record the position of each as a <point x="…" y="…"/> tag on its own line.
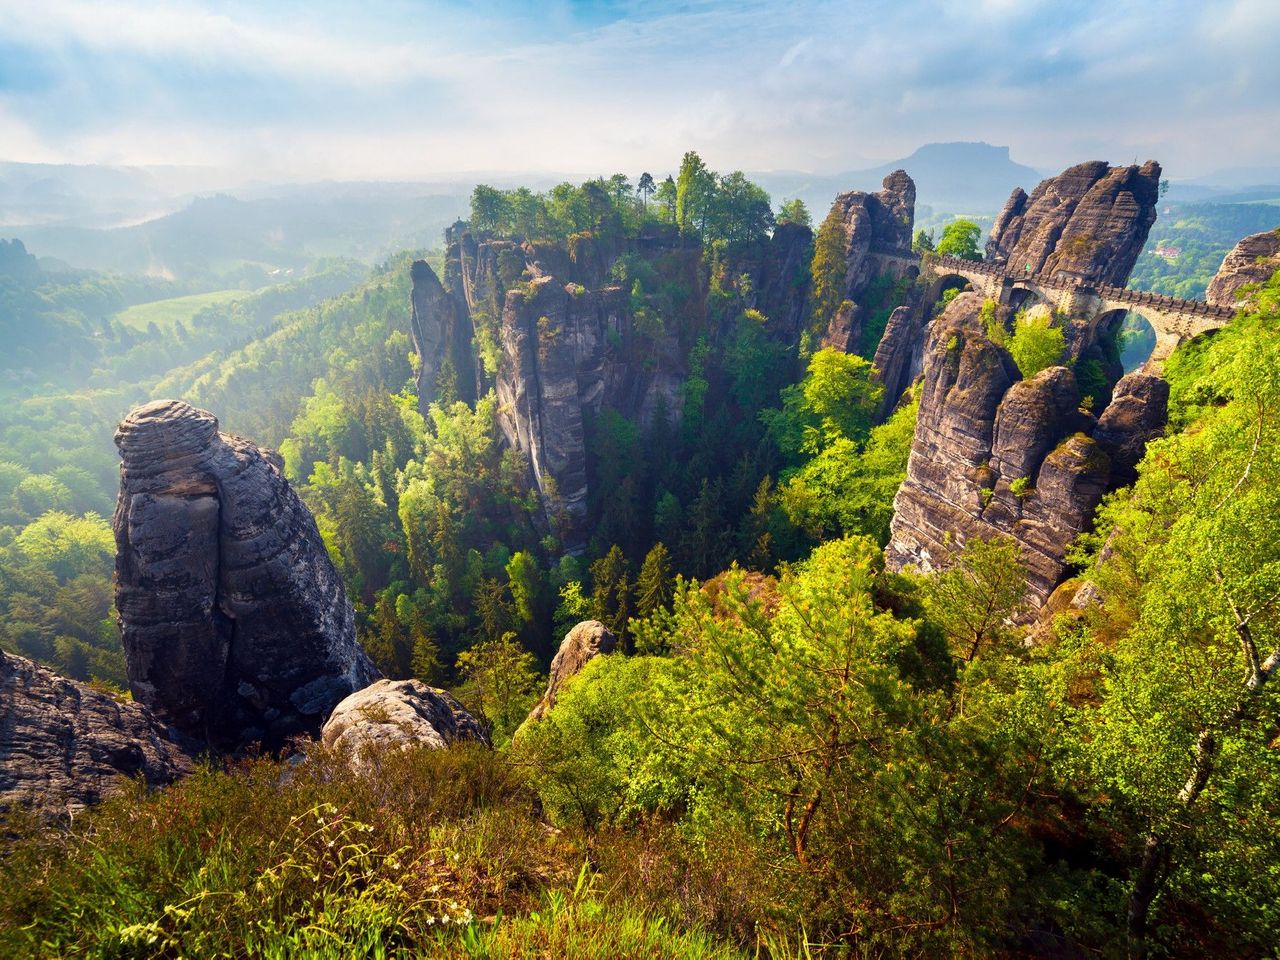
<point x="667" y="407"/>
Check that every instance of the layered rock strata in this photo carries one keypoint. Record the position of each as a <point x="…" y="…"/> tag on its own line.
<point x="235" y="624"/>
<point x="581" y="645"/>
<point x="398" y="714"/>
<point x="1089" y="222"/>
<point x="1251" y="262"/>
<point x="877" y="240"/>
<point x="64" y="746"/>
<point x="997" y="455"/>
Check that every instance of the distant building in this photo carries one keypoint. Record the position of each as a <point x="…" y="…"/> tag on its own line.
<point x="1167" y="252"/>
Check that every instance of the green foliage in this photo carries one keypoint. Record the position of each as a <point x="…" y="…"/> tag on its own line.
<point x="1036" y="344"/>
<point x="794" y="211"/>
<point x="827" y="269"/>
<point x="837" y="399"/>
<point x="922" y="242"/>
<point x="960" y="239"/>
<point x="501" y="683"/>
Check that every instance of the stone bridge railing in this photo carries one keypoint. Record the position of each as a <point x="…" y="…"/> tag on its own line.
<point x="1138" y="299"/>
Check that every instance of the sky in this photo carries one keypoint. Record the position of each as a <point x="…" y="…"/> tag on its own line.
<point x="413" y="90"/>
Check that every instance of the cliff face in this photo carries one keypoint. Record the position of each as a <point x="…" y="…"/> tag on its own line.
<point x="442" y="332"/>
<point x="996" y="455"/>
<point x="873" y="223"/>
<point x="1090" y="221"/>
<point x="236" y="626"/>
<point x="64" y="746"/>
<point x="565" y="355"/>
<point x="1252" y="261"/>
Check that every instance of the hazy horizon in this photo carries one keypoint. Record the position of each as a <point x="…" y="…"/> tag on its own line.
<point x="415" y="91"/>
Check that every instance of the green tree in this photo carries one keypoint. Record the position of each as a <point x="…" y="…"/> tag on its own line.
<point x="490" y="210"/>
<point x="1036" y="344"/>
<point x="502" y="681"/>
<point x="611" y="590"/>
<point x="655" y="586"/>
<point x="827" y="269"/>
<point x="960" y="239"/>
<point x="794" y="211"/>
<point x="695" y="190"/>
<point x="645" y="187"/>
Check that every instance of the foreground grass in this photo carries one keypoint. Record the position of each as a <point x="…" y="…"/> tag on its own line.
<point x="434" y="854"/>
<point x="166" y="313"/>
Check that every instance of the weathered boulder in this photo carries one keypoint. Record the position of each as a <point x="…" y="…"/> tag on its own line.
<point x="1136" y="415"/>
<point x="400" y="714"/>
<point x="236" y="626"/>
<point x="583" y="643"/>
<point x="1090" y="222"/>
<point x="1251" y="261"/>
<point x="64" y="746"/>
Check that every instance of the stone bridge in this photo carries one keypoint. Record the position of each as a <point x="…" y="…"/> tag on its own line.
<point x="1173" y="320"/>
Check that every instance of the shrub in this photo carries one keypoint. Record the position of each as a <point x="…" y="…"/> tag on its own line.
<point x="1036" y="345"/>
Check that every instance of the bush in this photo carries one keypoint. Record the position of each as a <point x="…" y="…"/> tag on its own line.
<point x="1036" y="345"/>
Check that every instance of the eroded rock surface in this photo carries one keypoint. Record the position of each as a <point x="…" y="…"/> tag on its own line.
<point x="1090" y="221"/>
<point x="64" y="746"/>
<point x="1251" y="261"/>
<point x="874" y="223"/>
<point x="997" y="455"/>
<point x="441" y="330"/>
<point x="236" y="626"/>
<point x="399" y="714"/>
<point x="583" y="643"/>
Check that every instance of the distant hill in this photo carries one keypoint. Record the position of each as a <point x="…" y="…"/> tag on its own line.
<point x="951" y="178"/>
<point x="248" y="242"/>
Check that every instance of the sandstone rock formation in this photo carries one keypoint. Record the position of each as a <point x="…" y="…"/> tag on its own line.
<point x="874" y="224"/>
<point x="64" y="746"/>
<point x="900" y="354"/>
<point x="1252" y="261"/>
<point x="441" y="337"/>
<point x="402" y="714"/>
<point x="1090" y="222"/>
<point x="236" y="626"/>
<point x="584" y="642"/>
<point x="997" y="455"/>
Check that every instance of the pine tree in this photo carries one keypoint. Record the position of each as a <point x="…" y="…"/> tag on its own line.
<point x="655" y="587"/>
<point x="611" y="590"/>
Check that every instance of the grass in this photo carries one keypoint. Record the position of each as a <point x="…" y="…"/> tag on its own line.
<point x="433" y="853"/>
<point x="166" y="313"/>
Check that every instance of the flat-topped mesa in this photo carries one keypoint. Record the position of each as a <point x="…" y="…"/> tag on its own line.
<point x="874" y="223"/>
<point x="236" y="626"/>
<point x="1090" y="222"/>
<point x="1252" y="261"/>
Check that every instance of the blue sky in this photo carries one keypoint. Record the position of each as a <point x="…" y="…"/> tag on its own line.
<point x="416" y="89"/>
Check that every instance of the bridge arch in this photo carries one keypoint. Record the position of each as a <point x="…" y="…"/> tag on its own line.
<point x="943" y="281"/>
<point x="1133" y="334"/>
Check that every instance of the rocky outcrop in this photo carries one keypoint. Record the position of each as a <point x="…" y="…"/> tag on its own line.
<point x="997" y="455"/>
<point x="1090" y="222"/>
<point x="236" y="626"/>
<point x="874" y="224"/>
<point x="1252" y="261"/>
<point x="1136" y="415"/>
<point x="441" y="337"/>
<point x="899" y="357"/>
<point x="64" y="746"/>
<point x="566" y="355"/>
<point x="583" y="643"/>
<point x="399" y="714"/>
